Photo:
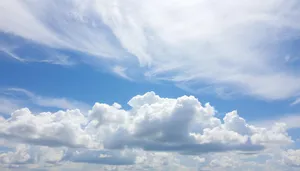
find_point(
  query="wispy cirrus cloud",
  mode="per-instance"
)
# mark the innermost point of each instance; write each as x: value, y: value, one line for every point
x: 238, y: 45
x: 57, y: 59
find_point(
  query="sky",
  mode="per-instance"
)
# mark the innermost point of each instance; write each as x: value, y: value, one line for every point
x: 150, y: 85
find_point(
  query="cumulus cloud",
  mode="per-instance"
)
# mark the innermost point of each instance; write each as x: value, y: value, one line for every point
x: 47, y: 129
x: 236, y: 45
x: 153, y: 123
x: 277, y: 134
x: 168, y: 133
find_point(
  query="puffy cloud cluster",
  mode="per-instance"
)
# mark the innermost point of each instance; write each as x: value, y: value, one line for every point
x: 63, y: 128
x: 155, y: 132
x: 152, y: 123
x: 181, y: 125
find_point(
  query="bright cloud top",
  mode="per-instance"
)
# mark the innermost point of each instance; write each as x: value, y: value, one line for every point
x: 234, y: 45
x: 111, y: 135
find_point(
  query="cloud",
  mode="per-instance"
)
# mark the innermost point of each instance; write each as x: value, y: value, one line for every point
x: 297, y: 101
x: 292, y: 158
x: 46, y: 129
x: 87, y: 35
x: 18, y: 157
x: 277, y: 134
x: 12, y: 55
x: 57, y: 59
x: 154, y: 133
x: 121, y: 71
x: 24, y: 155
x: 153, y: 123
x: 238, y: 46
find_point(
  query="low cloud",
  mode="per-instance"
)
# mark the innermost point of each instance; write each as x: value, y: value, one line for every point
x: 155, y: 132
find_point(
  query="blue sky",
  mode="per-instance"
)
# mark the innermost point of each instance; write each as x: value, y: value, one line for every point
x: 124, y: 85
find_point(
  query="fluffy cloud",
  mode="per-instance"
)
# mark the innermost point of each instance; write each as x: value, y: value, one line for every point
x: 240, y: 46
x: 20, y: 156
x: 277, y: 134
x: 153, y: 123
x: 62, y: 128
x: 169, y: 133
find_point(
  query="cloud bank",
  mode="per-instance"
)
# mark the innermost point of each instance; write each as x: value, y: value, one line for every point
x: 111, y: 135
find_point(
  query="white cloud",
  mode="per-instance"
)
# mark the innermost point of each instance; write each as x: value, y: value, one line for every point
x: 277, y: 134
x: 57, y: 59
x: 12, y: 55
x: 25, y: 154
x: 84, y: 33
x: 238, y: 45
x: 292, y: 157
x: 153, y: 123
x: 121, y: 71
x: 153, y: 134
x: 18, y: 157
x: 47, y: 129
